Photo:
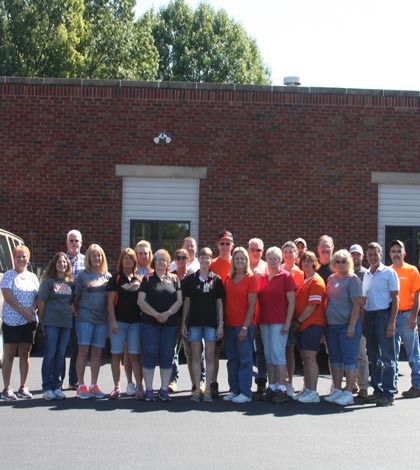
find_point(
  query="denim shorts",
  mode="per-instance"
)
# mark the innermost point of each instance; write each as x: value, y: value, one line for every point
x: 274, y: 342
x: 343, y: 350
x: 310, y: 338
x: 127, y: 333
x: 197, y: 333
x: 89, y: 334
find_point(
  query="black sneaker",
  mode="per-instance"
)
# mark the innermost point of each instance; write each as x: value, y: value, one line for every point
x: 279, y: 397
x: 373, y: 398
x: 269, y: 394
x: 385, y: 400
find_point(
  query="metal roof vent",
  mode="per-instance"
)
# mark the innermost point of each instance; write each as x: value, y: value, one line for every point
x: 291, y: 81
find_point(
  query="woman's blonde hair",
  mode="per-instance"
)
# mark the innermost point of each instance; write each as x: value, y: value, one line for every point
x: 240, y: 249
x: 343, y: 254
x: 103, y: 268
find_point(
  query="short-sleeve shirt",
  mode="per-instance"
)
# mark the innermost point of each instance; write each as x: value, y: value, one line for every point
x: 340, y: 292
x: 221, y: 267
x: 58, y: 297
x: 127, y: 290
x: 272, y: 297
x: 203, y: 295
x: 161, y: 295
x: 77, y: 263
x: 377, y: 288
x: 24, y: 287
x: 298, y: 276
x: 311, y: 292
x: 237, y: 299
x: 90, y: 288
x: 409, y: 284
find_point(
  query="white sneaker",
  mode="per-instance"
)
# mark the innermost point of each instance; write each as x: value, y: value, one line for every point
x: 59, y: 394
x: 300, y: 394
x: 241, y: 398
x: 345, y: 399
x: 290, y: 390
x: 333, y: 396
x: 311, y: 396
x: 230, y: 396
x: 48, y: 395
x: 131, y: 390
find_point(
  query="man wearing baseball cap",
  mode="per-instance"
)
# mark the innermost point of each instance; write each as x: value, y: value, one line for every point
x: 406, y: 324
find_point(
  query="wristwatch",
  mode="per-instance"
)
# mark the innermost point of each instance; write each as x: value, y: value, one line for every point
x: 244, y: 327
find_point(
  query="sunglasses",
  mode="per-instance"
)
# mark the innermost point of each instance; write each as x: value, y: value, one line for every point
x: 341, y: 261
x: 179, y: 258
x: 258, y: 250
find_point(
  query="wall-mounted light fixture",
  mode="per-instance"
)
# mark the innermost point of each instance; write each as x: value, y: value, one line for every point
x: 162, y: 138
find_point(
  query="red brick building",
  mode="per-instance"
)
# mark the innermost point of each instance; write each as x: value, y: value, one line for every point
x: 271, y: 162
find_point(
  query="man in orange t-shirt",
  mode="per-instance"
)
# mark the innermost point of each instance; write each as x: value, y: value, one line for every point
x: 221, y: 266
x: 408, y: 308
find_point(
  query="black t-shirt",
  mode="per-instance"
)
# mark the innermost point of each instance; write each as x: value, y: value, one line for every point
x: 325, y: 271
x: 203, y: 295
x: 161, y: 295
x: 126, y: 309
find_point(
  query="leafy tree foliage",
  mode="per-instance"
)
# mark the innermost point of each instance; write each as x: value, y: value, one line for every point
x: 205, y: 46
x: 102, y: 39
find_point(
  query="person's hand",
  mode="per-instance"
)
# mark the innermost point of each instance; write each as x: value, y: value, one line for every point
x: 242, y: 335
x: 350, y: 332
x: 390, y: 329
x: 114, y: 327
x: 219, y: 333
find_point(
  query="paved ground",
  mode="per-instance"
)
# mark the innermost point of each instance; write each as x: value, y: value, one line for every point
x: 123, y: 434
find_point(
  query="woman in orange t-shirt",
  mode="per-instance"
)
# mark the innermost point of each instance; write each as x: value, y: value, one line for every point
x: 241, y: 297
x: 310, y: 324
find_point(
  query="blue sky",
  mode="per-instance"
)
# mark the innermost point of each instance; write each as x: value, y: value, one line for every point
x: 331, y: 43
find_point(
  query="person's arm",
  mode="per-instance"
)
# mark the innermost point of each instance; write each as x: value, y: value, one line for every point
x: 307, y: 312
x: 412, y: 322
x: 219, y: 310
x: 146, y: 307
x: 16, y: 305
x: 185, y: 312
x: 111, y: 311
x: 291, y: 300
x: 355, y: 313
x: 173, y: 309
x: 41, y: 309
x: 394, y: 310
x: 252, y: 301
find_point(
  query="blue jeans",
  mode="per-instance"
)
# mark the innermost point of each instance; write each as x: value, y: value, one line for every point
x: 55, y: 345
x: 381, y: 352
x: 239, y: 356
x: 158, y: 345
x: 410, y: 339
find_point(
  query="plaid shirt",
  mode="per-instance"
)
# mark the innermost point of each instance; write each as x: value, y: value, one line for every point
x: 77, y: 263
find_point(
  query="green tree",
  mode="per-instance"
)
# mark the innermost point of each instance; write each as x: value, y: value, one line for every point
x: 39, y: 38
x: 205, y: 46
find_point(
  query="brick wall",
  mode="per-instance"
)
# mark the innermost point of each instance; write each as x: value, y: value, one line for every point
x: 282, y: 162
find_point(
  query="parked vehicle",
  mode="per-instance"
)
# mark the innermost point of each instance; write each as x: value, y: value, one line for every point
x: 8, y: 242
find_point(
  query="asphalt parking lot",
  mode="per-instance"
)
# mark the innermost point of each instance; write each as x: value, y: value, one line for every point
x: 119, y: 434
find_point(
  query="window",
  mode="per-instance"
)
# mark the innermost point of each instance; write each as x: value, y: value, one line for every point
x: 160, y: 233
x: 411, y: 238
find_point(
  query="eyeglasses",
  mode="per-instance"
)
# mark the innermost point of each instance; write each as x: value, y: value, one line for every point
x: 340, y: 261
x: 258, y: 250
x: 179, y: 258
x: 224, y: 243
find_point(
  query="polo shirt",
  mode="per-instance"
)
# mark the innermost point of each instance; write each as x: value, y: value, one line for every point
x: 377, y: 288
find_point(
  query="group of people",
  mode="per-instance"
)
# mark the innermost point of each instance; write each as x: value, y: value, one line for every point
x: 150, y: 307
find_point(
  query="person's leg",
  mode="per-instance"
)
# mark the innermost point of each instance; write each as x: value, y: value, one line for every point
x: 232, y: 345
x: 389, y: 360
x: 310, y: 368
x: 150, y: 340
x: 188, y: 357
x: 167, y: 340
x: 196, y: 363
x: 24, y: 350
x: 51, y: 334
x: 209, y: 348
x: 95, y: 364
x: 116, y: 369
x: 373, y: 352
x: 8, y: 357
x: 81, y: 363
x: 63, y: 338
x: 128, y: 369
x: 134, y: 345
x: 349, y: 348
x: 73, y: 356
x: 332, y: 335
x: 363, y: 367
x: 410, y: 338
x: 244, y: 349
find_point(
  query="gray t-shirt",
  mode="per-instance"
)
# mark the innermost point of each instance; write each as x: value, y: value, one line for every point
x: 58, y: 296
x: 340, y: 292
x: 361, y: 273
x: 91, y: 291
